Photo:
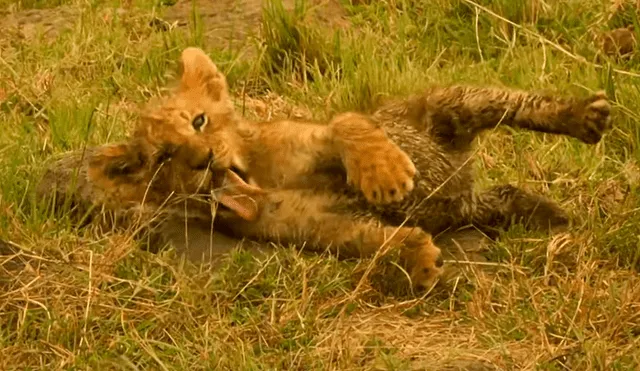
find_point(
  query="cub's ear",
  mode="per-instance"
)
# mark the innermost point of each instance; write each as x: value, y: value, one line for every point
x: 116, y: 161
x: 199, y: 72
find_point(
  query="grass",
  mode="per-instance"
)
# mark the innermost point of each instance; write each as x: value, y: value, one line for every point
x: 87, y: 300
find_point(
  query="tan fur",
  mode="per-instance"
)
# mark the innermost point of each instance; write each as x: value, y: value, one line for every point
x: 347, y: 185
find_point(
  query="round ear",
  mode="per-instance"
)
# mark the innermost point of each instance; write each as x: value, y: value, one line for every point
x: 199, y: 72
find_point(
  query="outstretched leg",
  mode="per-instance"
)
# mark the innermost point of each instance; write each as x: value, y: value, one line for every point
x: 455, y: 115
x: 306, y: 219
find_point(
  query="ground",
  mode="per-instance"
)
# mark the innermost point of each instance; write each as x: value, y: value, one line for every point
x: 73, y: 72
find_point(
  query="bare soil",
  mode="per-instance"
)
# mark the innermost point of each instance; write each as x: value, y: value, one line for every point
x: 225, y: 22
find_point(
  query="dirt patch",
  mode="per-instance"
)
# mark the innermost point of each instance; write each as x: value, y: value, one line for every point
x: 234, y: 21
x: 225, y: 22
x: 27, y: 24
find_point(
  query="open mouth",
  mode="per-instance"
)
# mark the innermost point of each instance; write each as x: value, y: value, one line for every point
x: 240, y: 173
x: 237, y: 195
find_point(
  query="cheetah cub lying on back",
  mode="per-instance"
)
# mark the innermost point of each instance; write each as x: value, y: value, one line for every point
x: 345, y: 186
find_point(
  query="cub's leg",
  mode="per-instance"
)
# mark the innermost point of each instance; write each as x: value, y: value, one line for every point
x: 287, y: 153
x: 456, y: 115
x: 316, y: 222
x: 503, y: 205
x: 373, y: 162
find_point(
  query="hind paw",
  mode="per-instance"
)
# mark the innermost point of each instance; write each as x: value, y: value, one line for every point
x: 423, y: 259
x: 595, y: 118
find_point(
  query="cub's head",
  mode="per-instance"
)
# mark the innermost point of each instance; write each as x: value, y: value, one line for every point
x: 197, y: 124
x: 184, y: 144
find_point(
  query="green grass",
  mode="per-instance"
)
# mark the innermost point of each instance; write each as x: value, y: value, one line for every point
x: 90, y: 300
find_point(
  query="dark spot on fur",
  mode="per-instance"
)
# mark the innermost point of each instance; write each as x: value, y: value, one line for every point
x: 163, y: 157
x: 165, y: 153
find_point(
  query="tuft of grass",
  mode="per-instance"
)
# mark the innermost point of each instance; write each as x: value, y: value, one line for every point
x: 292, y: 47
x: 84, y: 298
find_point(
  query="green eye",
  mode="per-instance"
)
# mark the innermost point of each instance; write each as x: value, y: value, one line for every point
x: 199, y: 122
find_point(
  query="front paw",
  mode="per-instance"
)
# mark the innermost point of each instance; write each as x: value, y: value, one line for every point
x: 595, y: 118
x: 383, y: 172
x: 374, y: 164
